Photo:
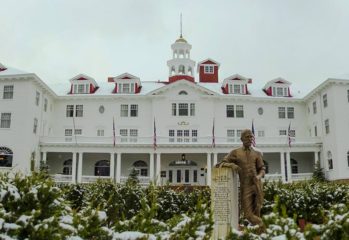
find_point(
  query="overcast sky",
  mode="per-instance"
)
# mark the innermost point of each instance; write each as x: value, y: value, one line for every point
x: 303, y: 41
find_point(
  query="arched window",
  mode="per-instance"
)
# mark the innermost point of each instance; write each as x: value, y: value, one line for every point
x: 141, y: 168
x: 294, y: 166
x: 6, y: 155
x: 181, y: 69
x: 173, y: 71
x: 67, y: 167
x: 182, y: 93
x: 266, y: 165
x: 102, y: 168
x: 329, y: 160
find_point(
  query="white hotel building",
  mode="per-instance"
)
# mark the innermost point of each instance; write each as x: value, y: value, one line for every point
x: 70, y: 127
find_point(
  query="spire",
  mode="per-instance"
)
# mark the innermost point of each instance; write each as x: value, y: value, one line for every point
x: 181, y: 39
x: 181, y: 27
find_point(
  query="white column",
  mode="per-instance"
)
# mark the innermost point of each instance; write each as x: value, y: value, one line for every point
x: 73, y: 168
x: 316, y: 158
x: 80, y: 167
x: 208, y: 174
x: 158, y: 168
x: 118, y: 167
x: 112, y: 166
x: 288, y: 162
x: 215, y: 157
x: 44, y: 157
x: 151, y: 167
x: 282, y: 166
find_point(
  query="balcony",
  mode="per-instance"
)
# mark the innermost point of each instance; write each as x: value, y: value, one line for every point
x: 173, y: 140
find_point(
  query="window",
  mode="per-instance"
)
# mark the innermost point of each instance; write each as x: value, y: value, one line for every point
x: 70, y: 111
x: 123, y: 134
x: 348, y: 94
x: 315, y: 131
x: 294, y: 166
x: 67, y: 167
x: 102, y: 168
x: 292, y: 133
x: 192, y: 109
x: 238, y: 133
x: 100, y: 132
x: 45, y: 104
x: 141, y: 168
x: 124, y: 110
x: 230, y: 110
x: 126, y: 87
x: 238, y: 88
x: 209, y: 69
x: 79, y: 110
x: 282, y: 112
x: 171, y: 134
x: 81, y: 88
x: 68, y: 132
x: 282, y: 132
x: 8, y: 92
x: 134, y: 110
x: 290, y: 112
x: 183, y: 135
x: 314, y: 107
x: 174, y: 109
x: 324, y: 99
x: 182, y: 93
x: 183, y: 109
x: 239, y: 111
x: 133, y: 135
x: 231, y: 135
x: 327, y: 126
x: 78, y: 132
x: 260, y: 133
x: 280, y: 91
x: 348, y: 158
x: 330, y: 161
x: 35, y: 127
x: 37, y: 98
x: 5, y: 120
x: 6, y: 155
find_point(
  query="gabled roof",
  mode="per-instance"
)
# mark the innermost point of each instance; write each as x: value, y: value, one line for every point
x: 82, y: 77
x: 182, y: 83
x: 278, y: 80
x: 237, y: 77
x: 207, y: 61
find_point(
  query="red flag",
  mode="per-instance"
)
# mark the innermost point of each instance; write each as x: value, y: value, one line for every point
x: 114, y: 139
x: 213, y: 136
x: 254, y: 138
x: 154, y: 137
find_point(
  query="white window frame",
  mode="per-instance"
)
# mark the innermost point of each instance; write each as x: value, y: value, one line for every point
x: 324, y: 99
x: 78, y: 132
x: 79, y: 110
x: 133, y: 134
x: 133, y: 110
x: 282, y: 132
x: 69, y: 110
x: 327, y: 126
x: 209, y: 69
x: 183, y: 109
x: 239, y: 111
x: 5, y: 120
x: 8, y: 92
x: 100, y: 132
x: 124, y: 110
x: 314, y: 107
x: 230, y: 110
x: 123, y: 134
x: 290, y: 112
x: 45, y: 104
x: 282, y: 112
x: 37, y: 98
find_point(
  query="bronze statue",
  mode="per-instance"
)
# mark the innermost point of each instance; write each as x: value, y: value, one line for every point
x: 249, y: 164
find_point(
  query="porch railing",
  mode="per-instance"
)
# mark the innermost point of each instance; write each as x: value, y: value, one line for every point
x: 92, y: 179
x: 273, y: 177
x: 172, y: 140
x: 142, y: 180
x: 301, y: 176
x: 60, y: 178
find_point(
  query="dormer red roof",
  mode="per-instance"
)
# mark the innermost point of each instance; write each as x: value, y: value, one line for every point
x: 83, y: 84
x: 133, y: 82
x: 278, y: 87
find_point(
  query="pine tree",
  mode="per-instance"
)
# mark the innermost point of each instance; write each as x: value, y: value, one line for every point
x: 318, y: 174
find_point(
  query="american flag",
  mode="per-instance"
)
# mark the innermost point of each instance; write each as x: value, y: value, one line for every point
x: 114, y: 138
x: 154, y: 137
x: 289, y: 135
x: 253, y: 139
x: 213, y: 136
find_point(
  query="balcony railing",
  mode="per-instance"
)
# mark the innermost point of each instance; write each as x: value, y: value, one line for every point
x: 142, y: 180
x: 172, y: 140
x: 60, y: 178
x: 92, y: 179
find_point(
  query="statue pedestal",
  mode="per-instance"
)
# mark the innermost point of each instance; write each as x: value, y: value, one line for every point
x: 224, y: 198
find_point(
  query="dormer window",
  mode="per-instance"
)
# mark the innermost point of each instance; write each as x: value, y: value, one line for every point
x: 209, y: 69
x: 83, y: 84
x: 81, y: 88
x: 280, y: 91
x: 236, y: 88
x: 126, y: 87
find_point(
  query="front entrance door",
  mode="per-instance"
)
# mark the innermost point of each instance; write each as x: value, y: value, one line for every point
x: 185, y: 175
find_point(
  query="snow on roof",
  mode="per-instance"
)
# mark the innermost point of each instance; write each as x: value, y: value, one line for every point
x: 106, y: 88
x: 12, y: 71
